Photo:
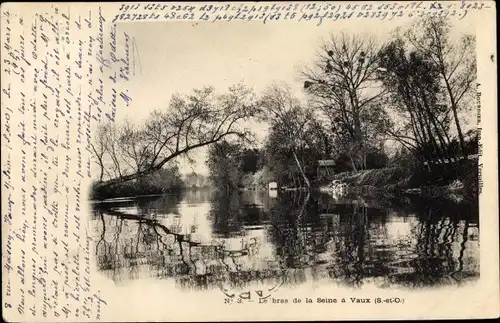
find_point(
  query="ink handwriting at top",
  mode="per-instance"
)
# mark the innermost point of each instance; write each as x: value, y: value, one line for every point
x: 315, y: 12
x: 436, y: 5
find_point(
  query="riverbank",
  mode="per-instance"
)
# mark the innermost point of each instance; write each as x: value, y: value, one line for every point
x: 456, y: 183
x: 135, y: 188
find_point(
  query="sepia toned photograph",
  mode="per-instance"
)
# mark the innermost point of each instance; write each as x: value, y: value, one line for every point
x: 360, y: 168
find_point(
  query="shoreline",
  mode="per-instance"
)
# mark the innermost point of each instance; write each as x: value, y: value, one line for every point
x: 449, y: 184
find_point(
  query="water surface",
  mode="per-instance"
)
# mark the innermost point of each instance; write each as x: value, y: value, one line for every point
x: 207, y: 240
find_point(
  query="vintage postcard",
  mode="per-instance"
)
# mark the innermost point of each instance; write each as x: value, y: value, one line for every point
x: 228, y: 161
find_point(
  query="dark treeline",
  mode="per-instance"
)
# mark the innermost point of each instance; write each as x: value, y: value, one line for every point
x: 232, y: 165
x: 369, y: 104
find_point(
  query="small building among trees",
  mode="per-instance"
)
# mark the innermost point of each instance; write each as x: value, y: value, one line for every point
x: 273, y: 186
x: 325, y: 168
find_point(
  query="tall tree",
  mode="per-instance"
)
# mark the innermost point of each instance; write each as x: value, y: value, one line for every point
x: 454, y: 60
x: 278, y: 161
x: 343, y: 85
x: 100, y: 146
x: 414, y: 90
x: 224, y: 164
x: 288, y: 118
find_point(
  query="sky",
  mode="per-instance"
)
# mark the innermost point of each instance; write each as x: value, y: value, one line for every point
x: 178, y: 57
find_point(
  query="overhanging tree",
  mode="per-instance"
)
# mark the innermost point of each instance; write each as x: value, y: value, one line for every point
x: 189, y: 123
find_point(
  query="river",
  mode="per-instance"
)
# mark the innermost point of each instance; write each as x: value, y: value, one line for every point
x: 205, y: 240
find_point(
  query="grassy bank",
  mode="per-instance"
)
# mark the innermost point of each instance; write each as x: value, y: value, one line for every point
x: 131, y: 189
x: 459, y: 181
x: 161, y: 182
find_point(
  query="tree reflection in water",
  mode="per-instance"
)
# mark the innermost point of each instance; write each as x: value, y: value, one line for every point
x: 206, y: 240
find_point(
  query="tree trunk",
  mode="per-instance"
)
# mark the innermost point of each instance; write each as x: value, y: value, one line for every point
x: 455, y: 115
x: 353, y: 162
x: 302, y: 209
x: 101, y: 176
x: 306, y: 180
